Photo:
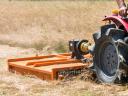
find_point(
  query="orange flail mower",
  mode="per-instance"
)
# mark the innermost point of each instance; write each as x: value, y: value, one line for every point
x: 50, y: 67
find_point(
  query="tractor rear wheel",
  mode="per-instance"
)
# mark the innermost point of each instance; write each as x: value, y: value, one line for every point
x: 110, y: 55
x: 106, y: 59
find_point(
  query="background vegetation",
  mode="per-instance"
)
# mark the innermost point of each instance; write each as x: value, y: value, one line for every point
x: 50, y: 25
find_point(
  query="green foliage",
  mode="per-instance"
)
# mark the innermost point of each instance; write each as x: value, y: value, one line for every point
x: 39, y: 45
x: 61, y: 47
x: 83, y: 93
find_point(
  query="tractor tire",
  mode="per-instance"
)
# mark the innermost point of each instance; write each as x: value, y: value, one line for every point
x: 106, y: 54
x: 106, y: 59
x: 96, y: 36
x: 103, y: 31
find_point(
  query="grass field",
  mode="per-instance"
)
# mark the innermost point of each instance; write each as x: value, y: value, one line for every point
x: 49, y: 24
x: 28, y: 27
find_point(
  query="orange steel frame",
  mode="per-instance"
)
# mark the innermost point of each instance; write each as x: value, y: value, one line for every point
x: 34, y: 64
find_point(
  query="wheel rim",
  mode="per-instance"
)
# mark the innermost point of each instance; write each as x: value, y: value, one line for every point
x: 109, y: 62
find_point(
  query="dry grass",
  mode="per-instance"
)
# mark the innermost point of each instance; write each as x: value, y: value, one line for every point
x: 48, y: 26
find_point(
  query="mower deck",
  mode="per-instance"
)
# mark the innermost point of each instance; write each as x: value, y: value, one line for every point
x: 50, y: 67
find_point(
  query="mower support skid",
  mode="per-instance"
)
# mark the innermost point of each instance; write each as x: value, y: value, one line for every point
x: 46, y: 67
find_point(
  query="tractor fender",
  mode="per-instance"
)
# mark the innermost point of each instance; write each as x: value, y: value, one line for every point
x: 118, y: 21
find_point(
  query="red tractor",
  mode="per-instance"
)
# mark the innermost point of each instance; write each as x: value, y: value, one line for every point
x: 110, y: 54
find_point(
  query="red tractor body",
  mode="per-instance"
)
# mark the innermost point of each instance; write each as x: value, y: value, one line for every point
x: 118, y: 20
